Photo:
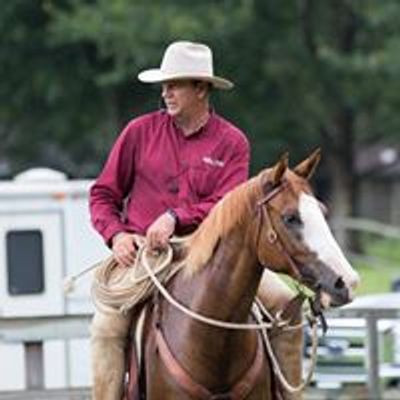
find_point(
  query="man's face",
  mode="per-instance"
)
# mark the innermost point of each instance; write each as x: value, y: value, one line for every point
x: 180, y: 97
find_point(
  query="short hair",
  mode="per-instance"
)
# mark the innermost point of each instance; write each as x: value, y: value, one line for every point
x: 208, y: 85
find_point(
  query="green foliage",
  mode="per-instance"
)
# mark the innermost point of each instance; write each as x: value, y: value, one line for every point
x: 306, y: 73
x: 386, y: 249
x: 376, y: 280
x: 382, y: 268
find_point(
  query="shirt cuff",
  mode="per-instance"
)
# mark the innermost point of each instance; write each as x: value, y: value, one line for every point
x: 173, y: 214
x: 110, y: 231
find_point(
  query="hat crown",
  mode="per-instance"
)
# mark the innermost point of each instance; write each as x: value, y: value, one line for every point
x: 187, y: 58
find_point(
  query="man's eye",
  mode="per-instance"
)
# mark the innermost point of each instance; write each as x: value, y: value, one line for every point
x: 292, y: 220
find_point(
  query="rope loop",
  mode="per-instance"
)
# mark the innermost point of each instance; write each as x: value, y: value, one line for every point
x: 110, y: 300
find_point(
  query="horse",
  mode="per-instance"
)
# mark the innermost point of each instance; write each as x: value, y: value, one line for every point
x: 273, y: 221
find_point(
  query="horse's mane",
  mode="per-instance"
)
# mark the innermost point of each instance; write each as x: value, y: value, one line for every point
x: 233, y: 209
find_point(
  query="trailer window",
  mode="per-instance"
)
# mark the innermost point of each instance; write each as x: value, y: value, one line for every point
x: 25, y: 262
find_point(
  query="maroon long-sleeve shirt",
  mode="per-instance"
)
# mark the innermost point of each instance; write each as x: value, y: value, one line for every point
x: 153, y: 167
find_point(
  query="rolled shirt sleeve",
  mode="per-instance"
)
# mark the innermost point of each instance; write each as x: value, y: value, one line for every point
x: 108, y: 193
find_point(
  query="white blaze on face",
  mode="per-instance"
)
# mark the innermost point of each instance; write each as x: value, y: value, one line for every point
x: 318, y: 237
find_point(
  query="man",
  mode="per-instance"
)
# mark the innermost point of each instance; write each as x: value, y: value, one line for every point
x: 164, y: 173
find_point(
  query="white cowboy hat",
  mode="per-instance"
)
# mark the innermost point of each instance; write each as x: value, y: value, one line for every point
x: 185, y: 60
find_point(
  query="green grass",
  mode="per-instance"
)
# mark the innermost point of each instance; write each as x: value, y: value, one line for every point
x: 378, y: 275
x: 376, y: 279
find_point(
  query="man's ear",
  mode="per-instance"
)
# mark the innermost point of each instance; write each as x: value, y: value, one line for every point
x: 202, y: 89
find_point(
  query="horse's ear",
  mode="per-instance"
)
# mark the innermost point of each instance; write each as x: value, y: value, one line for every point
x: 307, y: 167
x: 279, y: 169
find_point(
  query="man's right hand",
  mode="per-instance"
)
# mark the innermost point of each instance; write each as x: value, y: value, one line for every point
x: 123, y: 248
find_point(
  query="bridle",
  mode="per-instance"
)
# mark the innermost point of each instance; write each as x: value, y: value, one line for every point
x: 274, y: 239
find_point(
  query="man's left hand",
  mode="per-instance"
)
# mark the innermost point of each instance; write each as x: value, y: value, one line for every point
x: 160, y: 231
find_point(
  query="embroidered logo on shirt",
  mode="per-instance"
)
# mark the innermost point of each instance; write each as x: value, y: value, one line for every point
x: 213, y: 162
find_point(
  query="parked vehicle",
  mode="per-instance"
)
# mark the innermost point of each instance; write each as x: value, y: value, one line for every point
x: 45, y: 235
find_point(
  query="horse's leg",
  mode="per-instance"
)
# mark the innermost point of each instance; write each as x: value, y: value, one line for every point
x: 287, y: 346
x: 108, y: 343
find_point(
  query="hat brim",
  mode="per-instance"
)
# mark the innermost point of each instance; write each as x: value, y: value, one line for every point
x: 157, y: 76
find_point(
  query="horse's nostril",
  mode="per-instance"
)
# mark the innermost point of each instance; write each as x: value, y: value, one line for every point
x: 339, y: 284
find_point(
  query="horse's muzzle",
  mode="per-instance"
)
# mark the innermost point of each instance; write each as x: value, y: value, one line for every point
x: 338, y: 292
x: 330, y: 286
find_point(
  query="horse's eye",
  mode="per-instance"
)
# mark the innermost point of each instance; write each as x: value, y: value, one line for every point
x: 292, y: 220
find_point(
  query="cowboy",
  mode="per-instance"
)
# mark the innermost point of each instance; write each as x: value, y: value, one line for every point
x: 164, y: 173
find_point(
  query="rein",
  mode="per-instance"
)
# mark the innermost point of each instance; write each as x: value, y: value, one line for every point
x: 277, y: 369
x: 199, y: 317
x: 259, y: 312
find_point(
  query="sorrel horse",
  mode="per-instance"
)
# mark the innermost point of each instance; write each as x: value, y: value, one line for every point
x: 272, y: 221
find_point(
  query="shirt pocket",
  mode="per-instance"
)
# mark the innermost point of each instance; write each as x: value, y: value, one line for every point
x: 203, y: 179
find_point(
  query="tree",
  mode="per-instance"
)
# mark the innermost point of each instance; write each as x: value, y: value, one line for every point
x: 347, y: 47
x: 308, y: 74
x: 43, y: 91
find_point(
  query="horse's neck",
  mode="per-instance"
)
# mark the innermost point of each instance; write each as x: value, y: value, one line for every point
x: 227, y: 285
x: 224, y: 290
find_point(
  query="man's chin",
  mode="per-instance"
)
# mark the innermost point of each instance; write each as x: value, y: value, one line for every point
x: 172, y: 111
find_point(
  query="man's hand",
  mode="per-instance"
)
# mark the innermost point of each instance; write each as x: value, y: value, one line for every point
x: 123, y: 247
x: 160, y: 231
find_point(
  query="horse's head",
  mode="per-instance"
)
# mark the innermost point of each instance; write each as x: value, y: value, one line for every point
x: 293, y: 236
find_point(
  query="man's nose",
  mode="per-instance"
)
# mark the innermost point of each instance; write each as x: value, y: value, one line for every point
x: 165, y: 91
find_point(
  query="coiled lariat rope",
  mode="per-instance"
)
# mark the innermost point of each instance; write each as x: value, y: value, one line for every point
x: 118, y: 289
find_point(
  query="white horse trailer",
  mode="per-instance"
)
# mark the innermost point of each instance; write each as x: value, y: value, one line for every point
x: 45, y: 235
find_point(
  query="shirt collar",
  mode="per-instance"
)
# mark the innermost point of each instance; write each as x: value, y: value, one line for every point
x: 205, y: 128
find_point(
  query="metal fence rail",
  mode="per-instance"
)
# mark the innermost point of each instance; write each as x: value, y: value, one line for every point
x: 371, y: 308
x: 53, y: 394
